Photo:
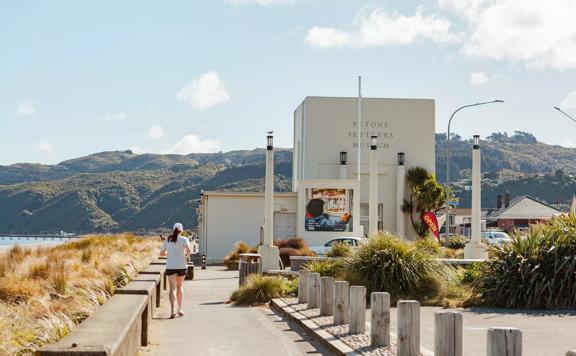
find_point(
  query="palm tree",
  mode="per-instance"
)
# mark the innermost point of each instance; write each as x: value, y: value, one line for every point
x: 426, y: 195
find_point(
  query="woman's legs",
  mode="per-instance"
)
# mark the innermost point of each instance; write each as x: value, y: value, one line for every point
x: 179, y: 282
x: 171, y: 294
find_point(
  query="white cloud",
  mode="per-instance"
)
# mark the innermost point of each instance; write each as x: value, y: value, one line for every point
x: 119, y: 116
x: 480, y: 78
x: 205, y: 92
x: 570, y: 101
x: 194, y: 144
x: 378, y: 27
x: 45, y: 146
x: 156, y: 132
x: 25, y: 108
x: 260, y: 2
x: 540, y: 34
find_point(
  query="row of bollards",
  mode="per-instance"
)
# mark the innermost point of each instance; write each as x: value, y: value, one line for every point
x: 348, y: 306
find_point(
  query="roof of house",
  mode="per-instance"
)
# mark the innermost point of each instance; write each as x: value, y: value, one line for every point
x: 525, y: 207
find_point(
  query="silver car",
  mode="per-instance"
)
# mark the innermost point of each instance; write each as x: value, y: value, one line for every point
x: 354, y: 242
x: 496, y: 237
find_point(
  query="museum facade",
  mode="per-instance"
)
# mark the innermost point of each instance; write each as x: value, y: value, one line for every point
x: 345, y: 157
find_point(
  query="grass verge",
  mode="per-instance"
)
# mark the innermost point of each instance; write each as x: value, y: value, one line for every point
x: 46, y: 291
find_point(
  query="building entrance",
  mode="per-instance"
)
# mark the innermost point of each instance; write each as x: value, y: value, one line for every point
x: 284, y: 225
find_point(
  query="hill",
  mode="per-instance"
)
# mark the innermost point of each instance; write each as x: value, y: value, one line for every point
x: 119, y: 191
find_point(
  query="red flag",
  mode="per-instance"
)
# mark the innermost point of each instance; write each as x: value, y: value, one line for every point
x: 430, y: 220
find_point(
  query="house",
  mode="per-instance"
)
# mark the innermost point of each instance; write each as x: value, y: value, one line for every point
x: 521, y: 213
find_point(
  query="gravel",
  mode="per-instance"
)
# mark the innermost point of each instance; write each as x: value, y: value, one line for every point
x: 357, y: 342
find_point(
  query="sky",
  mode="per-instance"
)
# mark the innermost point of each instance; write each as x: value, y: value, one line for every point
x: 79, y: 77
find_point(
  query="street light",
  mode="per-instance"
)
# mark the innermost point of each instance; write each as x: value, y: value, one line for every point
x: 401, y: 158
x: 447, y: 230
x: 563, y: 112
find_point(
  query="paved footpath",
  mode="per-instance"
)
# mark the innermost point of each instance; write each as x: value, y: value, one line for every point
x: 544, y: 333
x: 211, y: 327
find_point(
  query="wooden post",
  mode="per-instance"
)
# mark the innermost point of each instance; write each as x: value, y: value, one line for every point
x: 504, y: 342
x: 341, y: 302
x: 326, y: 295
x: 408, y: 328
x: 313, y: 296
x: 303, y: 286
x: 357, y: 310
x: 448, y: 333
x: 571, y: 353
x: 380, y: 319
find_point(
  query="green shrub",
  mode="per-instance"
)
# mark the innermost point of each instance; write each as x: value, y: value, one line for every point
x: 261, y: 289
x: 428, y: 245
x: 470, y: 273
x: 327, y: 267
x: 456, y: 242
x: 339, y: 250
x: 388, y: 264
x: 233, y: 258
x: 538, y: 271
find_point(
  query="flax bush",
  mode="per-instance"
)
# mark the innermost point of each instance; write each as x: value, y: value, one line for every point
x: 538, y: 271
x: 403, y: 269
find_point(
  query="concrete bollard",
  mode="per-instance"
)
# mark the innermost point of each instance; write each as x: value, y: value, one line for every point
x: 504, y: 342
x: 357, y: 310
x: 303, y: 286
x: 326, y: 294
x: 341, y: 302
x: 380, y: 319
x: 313, y: 296
x: 408, y: 328
x: 448, y: 333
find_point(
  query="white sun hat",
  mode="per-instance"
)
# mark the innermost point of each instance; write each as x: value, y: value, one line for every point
x: 178, y: 226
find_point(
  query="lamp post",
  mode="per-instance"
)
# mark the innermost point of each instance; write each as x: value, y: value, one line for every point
x: 269, y: 252
x: 373, y: 185
x: 343, y: 168
x: 475, y: 249
x: 400, y: 188
x: 447, y: 230
x: 563, y: 112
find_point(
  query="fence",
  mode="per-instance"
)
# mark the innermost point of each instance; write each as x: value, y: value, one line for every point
x: 348, y: 305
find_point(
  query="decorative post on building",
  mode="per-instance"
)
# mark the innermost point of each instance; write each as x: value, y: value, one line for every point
x: 373, y: 192
x: 343, y: 168
x: 400, y: 188
x: 269, y: 252
x: 475, y: 249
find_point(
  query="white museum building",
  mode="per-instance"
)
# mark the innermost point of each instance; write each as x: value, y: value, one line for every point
x: 332, y: 195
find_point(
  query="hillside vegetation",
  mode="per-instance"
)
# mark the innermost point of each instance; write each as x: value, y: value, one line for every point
x: 123, y: 191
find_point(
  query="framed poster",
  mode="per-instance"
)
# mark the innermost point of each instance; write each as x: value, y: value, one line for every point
x: 328, y: 209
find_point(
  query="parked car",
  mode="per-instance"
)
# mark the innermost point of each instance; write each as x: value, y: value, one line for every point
x: 354, y: 242
x: 496, y: 237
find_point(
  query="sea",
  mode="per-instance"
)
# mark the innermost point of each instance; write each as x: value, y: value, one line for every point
x: 7, y: 242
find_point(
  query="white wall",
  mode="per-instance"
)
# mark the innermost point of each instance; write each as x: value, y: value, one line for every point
x: 325, y: 126
x: 233, y: 217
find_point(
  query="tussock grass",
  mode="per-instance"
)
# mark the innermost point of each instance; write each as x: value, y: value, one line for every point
x: 46, y: 291
x: 261, y: 289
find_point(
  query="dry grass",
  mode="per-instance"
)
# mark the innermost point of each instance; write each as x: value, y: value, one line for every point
x: 45, y: 292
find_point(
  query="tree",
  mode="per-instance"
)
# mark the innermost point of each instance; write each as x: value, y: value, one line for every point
x: 426, y: 194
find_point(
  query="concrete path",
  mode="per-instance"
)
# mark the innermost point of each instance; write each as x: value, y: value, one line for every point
x: 211, y: 327
x: 545, y: 333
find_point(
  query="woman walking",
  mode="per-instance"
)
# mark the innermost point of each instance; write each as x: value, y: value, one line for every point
x: 178, y: 249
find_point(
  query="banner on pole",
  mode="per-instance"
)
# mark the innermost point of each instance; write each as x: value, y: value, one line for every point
x: 430, y: 220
